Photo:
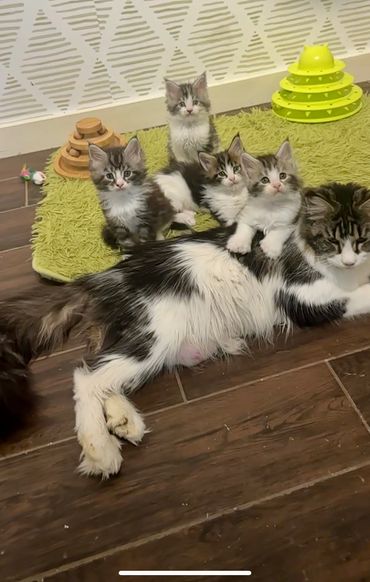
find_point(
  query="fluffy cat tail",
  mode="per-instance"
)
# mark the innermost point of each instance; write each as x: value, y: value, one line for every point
x: 28, y: 328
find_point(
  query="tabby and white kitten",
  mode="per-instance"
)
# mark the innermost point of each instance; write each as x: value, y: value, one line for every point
x: 273, y: 203
x: 134, y: 207
x: 215, y: 183
x: 190, y: 127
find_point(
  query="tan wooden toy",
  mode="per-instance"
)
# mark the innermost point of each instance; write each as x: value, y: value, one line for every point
x: 73, y: 159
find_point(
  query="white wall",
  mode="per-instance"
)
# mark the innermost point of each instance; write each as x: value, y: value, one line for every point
x: 59, y: 57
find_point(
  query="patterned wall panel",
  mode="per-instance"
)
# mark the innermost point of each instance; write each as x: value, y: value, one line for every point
x: 58, y: 56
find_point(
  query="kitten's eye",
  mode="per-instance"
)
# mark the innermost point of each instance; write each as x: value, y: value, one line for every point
x: 195, y: 101
x: 222, y: 174
x: 109, y: 176
x: 265, y: 180
x: 236, y: 168
x: 127, y: 173
x: 334, y: 241
x: 182, y: 103
x: 361, y: 240
x: 282, y: 175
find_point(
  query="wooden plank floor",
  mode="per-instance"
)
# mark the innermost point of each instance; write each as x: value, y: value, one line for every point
x: 258, y: 463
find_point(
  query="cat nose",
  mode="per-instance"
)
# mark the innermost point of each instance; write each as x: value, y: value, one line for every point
x: 276, y: 185
x: 120, y: 182
x: 189, y: 109
x: 232, y: 179
x: 348, y: 261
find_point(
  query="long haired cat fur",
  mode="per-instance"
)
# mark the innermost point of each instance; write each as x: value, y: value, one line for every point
x: 273, y: 203
x: 134, y: 207
x: 215, y: 182
x: 139, y: 315
x: 191, y: 128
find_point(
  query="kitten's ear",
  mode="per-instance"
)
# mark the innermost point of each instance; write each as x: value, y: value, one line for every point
x: 236, y: 147
x: 249, y: 164
x: 134, y: 155
x: 285, y: 155
x: 361, y: 199
x: 98, y: 157
x: 316, y: 207
x: 173, y: 91
x: 200, y: 86
x: 208, y: 162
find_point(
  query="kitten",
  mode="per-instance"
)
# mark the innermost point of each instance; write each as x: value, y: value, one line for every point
x: 134, y: 207
x: 215, y: 182
x: 273, y: 203
x: 190, y: 127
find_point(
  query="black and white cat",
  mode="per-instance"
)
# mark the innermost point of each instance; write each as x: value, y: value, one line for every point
x: 273, y: 203
x: 134, y: 207
x: 190, y: 127
x: 179, y: 297
x: 215, y: 183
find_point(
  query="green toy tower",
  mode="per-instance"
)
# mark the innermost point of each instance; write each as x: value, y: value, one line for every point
x: 316, y: 89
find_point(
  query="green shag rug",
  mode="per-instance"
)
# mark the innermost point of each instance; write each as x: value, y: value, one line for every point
x: 67, y: 239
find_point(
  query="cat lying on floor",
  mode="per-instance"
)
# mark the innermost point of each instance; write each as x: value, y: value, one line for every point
x: 144, y: 314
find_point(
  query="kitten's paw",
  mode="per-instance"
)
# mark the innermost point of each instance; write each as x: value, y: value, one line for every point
x: 190, y: 355
x: 123, y: 419
x: 271, y: 249
x: 238, y: 244
x: 186, y: 217
x: 229, y: 222
x: 99, y: 456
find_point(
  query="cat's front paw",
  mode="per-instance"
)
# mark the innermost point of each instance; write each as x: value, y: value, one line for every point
x: 186, y: 217
x: 271, y: 249
x: 229, y: 222
x: 238, y: 244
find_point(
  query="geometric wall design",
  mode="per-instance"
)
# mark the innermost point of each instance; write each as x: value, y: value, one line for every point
x: 59, y: 56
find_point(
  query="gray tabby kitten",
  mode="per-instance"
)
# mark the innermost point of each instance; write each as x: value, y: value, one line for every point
x: 215, y: 182
x: 273, y: 203
x: 191, y: 129
x: 134, y: 207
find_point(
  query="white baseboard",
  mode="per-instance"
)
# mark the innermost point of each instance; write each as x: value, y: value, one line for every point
x: 52, y: 131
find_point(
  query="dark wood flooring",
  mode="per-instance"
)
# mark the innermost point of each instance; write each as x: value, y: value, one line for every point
x: 259, y: 463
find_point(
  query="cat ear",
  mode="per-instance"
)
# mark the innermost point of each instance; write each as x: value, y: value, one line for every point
x: 208, y: 162
x: 200, y: 86
x: 285, y: 155
x: 316, y: 207
x: 236, y: 147
x: 133, y: 154
x: 249, y: 164
x: 173, y: 91
x: 98, y: 157
x: 361, y: 198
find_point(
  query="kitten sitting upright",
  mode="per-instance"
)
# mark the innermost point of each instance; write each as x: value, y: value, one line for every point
x: 215, y: 182
x: 273, y: 204
x: 134, y: 207
x: 191, y: 129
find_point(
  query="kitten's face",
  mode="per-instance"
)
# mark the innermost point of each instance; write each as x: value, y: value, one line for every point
x: 271, y: 176
x: 224, y: 168
x: 188, y: 101
x: 117, y: 168
x: 336, y: 224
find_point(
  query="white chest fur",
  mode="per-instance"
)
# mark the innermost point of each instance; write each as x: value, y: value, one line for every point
x: 266, y: 216
x: 123, y: 207
x: 188, y: 138
x: 226, y: 204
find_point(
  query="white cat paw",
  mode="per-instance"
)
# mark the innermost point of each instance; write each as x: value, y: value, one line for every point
x: 100, y: 456
x: 271, y: 249
x: 229, y: 222
x: 124, y: 420
x: 186, y: 217
x: 238, y: 244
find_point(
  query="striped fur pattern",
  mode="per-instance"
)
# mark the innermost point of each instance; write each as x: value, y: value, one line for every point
x: 134, y: 207
x: 190, y: 126
x: 177, y: 302
x: 215, y: 182
x: 273, y: 203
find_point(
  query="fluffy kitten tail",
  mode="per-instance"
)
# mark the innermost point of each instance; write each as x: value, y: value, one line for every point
x: 28, y: 328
